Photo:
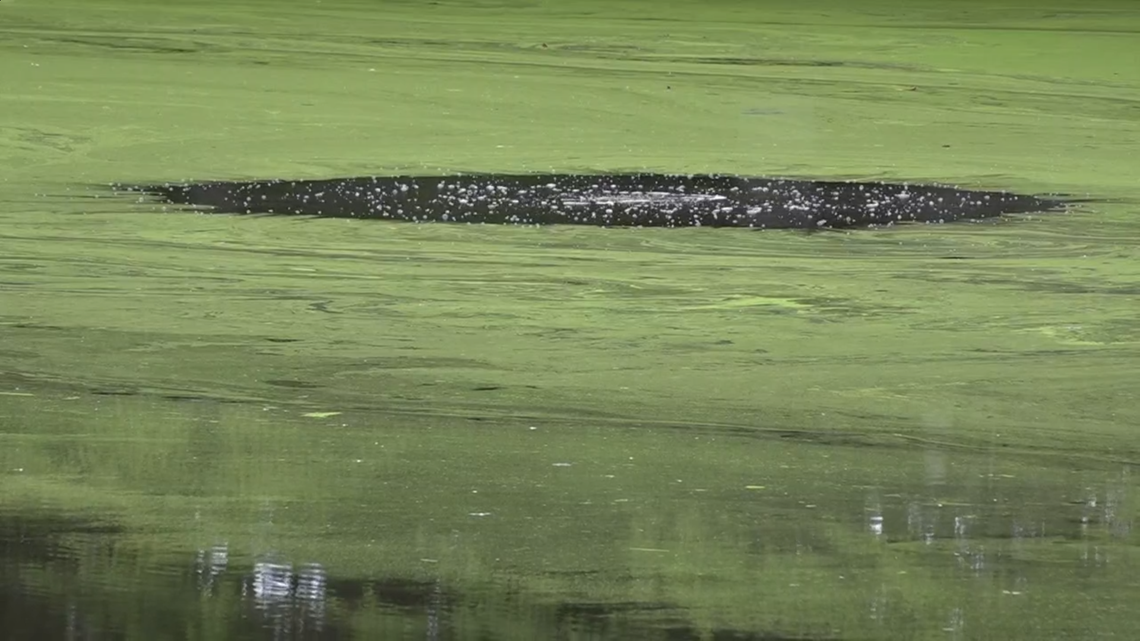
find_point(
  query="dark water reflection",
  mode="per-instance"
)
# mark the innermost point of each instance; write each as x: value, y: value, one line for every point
x: 274, y: 599
x: 1014, y: 546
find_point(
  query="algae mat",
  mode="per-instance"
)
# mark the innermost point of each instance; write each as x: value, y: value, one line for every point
x: 239, y: 427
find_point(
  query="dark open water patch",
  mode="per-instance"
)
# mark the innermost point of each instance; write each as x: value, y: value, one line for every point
x: 64, y: 577
x: 622, y: 200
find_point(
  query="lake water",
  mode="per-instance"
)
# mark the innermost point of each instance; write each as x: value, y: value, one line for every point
x: 222, y: 427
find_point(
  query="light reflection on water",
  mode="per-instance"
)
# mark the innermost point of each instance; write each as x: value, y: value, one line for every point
x: 294, y: 601
x: 999, y: 542
x: 262, y: 518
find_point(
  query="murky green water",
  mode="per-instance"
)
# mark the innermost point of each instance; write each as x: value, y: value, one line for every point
x: 221, y: 427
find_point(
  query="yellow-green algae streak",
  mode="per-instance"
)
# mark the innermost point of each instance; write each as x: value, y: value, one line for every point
x: 926, y: 432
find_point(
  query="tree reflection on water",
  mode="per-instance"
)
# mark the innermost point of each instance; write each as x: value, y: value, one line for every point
x: 75, y: 578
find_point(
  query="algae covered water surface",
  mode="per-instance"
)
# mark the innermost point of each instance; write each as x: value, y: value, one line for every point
x: 248, y: 427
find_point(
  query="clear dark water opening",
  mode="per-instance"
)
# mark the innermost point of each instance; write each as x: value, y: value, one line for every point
x: 622, y: 200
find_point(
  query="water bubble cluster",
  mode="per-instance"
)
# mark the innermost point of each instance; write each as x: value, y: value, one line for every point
x: 621, y: 200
